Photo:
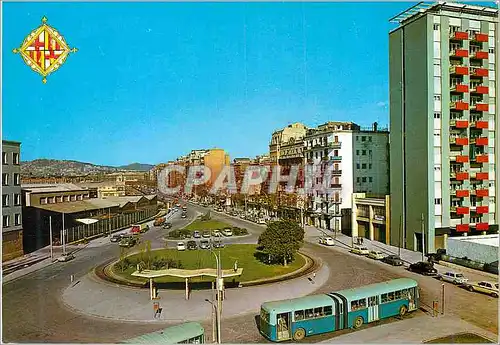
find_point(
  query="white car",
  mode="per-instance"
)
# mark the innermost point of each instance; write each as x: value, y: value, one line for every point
x: 453, y: 277
x: 360, y: 250
x: 375, y: 254
x: 216, y: 233
x: 227, y: 232
x: 181, y: 246
x: 328, y: 241
x: 66, y: 257
x: 261, y: 221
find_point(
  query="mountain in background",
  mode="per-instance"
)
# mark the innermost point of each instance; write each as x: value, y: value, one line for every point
x: 54, y: 167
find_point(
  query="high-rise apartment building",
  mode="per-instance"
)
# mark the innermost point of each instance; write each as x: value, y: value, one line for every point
x: 12, y: 223
x: 443, y: 123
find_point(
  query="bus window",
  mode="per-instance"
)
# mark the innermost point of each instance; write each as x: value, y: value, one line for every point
x: 318, y: 312
x: 397, y: 294
x: 359, y: 304
x: 383, y: 298
x: 264, y: 315
x: 391, y: 296
x: 299, y: 315
x: 372, y: 301
x: 309, y: 314
x: 404, y: 293
x: 328, y: 310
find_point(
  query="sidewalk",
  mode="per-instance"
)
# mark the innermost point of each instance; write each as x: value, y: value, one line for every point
x: 94, y: 297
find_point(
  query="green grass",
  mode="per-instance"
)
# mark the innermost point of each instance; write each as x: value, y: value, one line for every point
x: 201, y: 225
x: 195, y: 259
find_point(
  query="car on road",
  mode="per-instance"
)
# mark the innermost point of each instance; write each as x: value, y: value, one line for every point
x: 204, y: 244
x: 393, y: 260
x: 424, y: 268
x: 216, y: 233
x: 453, y: 277
x: 360, y: 250
x: 66, y: 257
x: 261, y: 221
x: 227, y: 232
x: 206, y: 234
x: 115, y: 238
x: 490, y: 288
x: 127, y: 242
x: 196, y: 234
x: 191, y: 245
x: 181, y: 246
x: 167, y: 225
x: 183, y: 215
x: 218, y: 244
x: 376, y: 254
x: 328, y: 241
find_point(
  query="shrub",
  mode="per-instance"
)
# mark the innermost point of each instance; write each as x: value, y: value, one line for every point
x: 239, y: 231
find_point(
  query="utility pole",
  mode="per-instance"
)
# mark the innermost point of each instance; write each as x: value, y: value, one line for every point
x: 219, y: 286
x: 63, y: 236
x: 423, y: 238
x: 400, y: 235
x: 50, y: 236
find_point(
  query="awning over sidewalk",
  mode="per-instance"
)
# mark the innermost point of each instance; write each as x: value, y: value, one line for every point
x: 180, y: 273
x: 87, y: 220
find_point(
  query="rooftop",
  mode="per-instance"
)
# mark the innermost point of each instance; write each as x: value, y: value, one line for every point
x: 78, y: 206
x: 51, y: 188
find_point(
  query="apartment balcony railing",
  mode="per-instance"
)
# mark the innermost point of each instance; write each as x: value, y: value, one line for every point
x: 478, y: 37
x: 459, y: 158
x: 479, y: 124
x: 479, y: 55
x: 462, y: 88
x: 459, y: 35
x: 336, y: 158
x: 459, y: 105
x: 459, y: 175
x: 480, y: 193
x: 483, y: 158
x: 459, y: 193
x: 459, y: 70
x: 479, y: 72
x: 459, y: 123
x: 480, y: 175
x: 461, y: 210
x: 459, y: 53
x: 462, y: 141
x: 479, y: 141
x: 336, y: 172
x: 462, y: 227
x: 479, y: 106
x: 480, y: 208
x: 335, y: 144
x: 481, y: 89
x: 482, y: 226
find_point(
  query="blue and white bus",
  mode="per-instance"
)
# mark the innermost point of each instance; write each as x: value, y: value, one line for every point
x: 300, y: 317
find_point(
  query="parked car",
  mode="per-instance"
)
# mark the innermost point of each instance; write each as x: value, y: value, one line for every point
x: 196, y: 234
x: 127, y: 242
x: 191, y: 245
x: 167, y: 225
x: 183, y: 215
x: 218, y: 244
x: 115, y: 238
x: 66, y: 257
x: 453, y: 277
x: 216, y: 233
x: 181, y: 246
x: 375, y: 254
x: 328, y: 241
x: 227, y: 232
x: 422, y: 267
x: 490, y: 288
x: 393, y: 260
x: 360, y: 250
x: 204, y: 244
x: 206, y: 234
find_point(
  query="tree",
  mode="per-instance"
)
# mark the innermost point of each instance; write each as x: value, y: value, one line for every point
x: 281, y: 240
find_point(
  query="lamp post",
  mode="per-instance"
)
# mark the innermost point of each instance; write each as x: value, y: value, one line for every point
x: 63, y: 236
x: 219, y: 285
x: 214, y: 310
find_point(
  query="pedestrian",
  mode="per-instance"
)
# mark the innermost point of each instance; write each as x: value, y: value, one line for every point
x: 314, y: 275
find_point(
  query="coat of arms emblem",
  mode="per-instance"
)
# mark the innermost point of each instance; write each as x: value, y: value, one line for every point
x: 44, y: 50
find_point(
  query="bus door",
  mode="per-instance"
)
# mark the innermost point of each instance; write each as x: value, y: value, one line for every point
x: 283, y: 326
x: 412, y: 294
x: 373, y: 309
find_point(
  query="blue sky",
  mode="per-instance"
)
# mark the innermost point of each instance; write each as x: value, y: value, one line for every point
x: 152, y: 81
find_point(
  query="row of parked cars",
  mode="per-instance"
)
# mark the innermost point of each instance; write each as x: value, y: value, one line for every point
x: 215, y: 233
x: 204, y: 244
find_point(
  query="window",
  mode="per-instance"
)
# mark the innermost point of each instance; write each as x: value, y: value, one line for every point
x: 17, y: 179
x: 437, y: 115
x: 299, y: 315
x: 309, y: 313
x: 370, y: 152
x: 359, y: 304
x: 59, y: 199
x: 327, y: 310
x: 17, y: 199
x: 5, y: 159
x: 390, y: 296
x: 397, y: 294
x: 372, y: 301
x: 370, y: 139
x: 357, y: 165
x: 80, y: 197
x: 318, y: 312
x: 357, y: 152
x: 15, y: 158
x: 264, y: 315
x: 357, y: 138
x: 335, y: 153
x: 43, y: 201
x: 6, y: 221
x: 363, y: 166
x: 436, y: 27
x: 73, y: 197
x: 336, y: 139
x: 363, y: 138
x: 5, y: 200
x: 5, y: 179
x: 370, y: 166
x: 383, y: 298
x: 370, y: 179
x: 17, y: 219
x: 363, y: 152
x: 437, y: 201
x: 358, y: 180
x: 491, y: 50
x: 66, y: 198
x: 363, y: 179
x: 437, y: 97
x: 51, y: 200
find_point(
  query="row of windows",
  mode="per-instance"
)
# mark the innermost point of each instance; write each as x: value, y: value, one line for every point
x: 62, y: 198
x: 321, y: 154
x: 363, y: 179
x: 363, y: 166
x: 363, y: 152
x: 6, y: 200
x: 6, y: 220
x: 384, y: 298
x: 6, y: 180
x: 313, y: 313
x: 363, y: 138
x: 15, y: 158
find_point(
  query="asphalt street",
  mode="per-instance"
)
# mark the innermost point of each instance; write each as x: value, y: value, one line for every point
x: 33, y: 312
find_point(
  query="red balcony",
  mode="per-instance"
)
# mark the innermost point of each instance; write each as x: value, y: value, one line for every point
x: 461, y: 210
x: 482, y: 209
x: 482, y: 158
x: 481, y: 141
x: 479, y: 55
x: 479, y: 72
x: 459, y: 141
x: 482, y: 226
x: 480, y: 37
x: 462, y: 193
x: 462, y: 176
x: 460, y: 35
x: 461, y: 159
x: 459, y: 53
x: 462, y: 227
x: 482, y: 176
x: 480, y: 107
x: 460, y: 88
x: 483, y: 90
x: 460, y: 70
x: 460, y: 105
x: 480, y: 124
x: 482, y: 193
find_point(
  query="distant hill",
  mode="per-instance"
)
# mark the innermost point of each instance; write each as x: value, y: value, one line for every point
x: 53, y: 167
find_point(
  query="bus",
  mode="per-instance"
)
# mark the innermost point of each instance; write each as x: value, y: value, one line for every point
x: 186, y: 333
x: 297, y: 318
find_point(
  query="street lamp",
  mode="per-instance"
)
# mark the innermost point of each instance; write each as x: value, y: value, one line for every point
x: 219, y: 285
x: 214, y: 310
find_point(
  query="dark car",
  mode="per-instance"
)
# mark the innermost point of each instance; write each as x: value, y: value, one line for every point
x: 196, y: 234
x: 393, y: 260
x: 167, y: 225
x: 115, y: 238
x: 191, y: 245
x: 217, y: 244
x: 425, y: 268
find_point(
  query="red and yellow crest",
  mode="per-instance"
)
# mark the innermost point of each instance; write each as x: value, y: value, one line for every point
x: 44, y: 50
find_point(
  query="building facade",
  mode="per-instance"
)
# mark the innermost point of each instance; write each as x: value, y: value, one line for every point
x: 12, y: 219
x: 444, y: 122
x: 371, y: 217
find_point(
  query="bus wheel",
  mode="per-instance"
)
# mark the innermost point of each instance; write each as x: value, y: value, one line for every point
x: 358, y: 322
x: 299, y: 334
x: 402, y: 310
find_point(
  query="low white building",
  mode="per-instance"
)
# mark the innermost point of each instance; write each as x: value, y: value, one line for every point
x: 482, y: 248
